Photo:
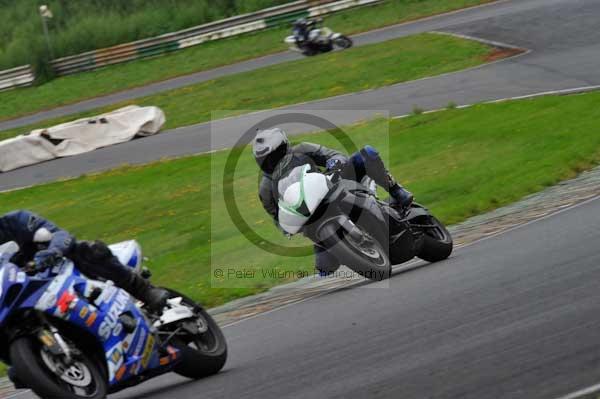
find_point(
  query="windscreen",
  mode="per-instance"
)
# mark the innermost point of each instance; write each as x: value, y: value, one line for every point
x: 294, y: 176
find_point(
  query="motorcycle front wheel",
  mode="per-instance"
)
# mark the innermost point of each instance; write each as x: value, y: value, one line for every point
x: 360, y: 250
x: 205, y: 352
x: 49, y: 376
x: 437, y: 241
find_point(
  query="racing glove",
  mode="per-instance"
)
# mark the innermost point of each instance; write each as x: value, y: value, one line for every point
x: 334, y: 164
x: 47, y: 258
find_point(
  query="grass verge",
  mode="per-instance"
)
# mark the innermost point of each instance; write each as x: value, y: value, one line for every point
x: 459, y: 162
x: 78, y: 87
x: 360, y: 68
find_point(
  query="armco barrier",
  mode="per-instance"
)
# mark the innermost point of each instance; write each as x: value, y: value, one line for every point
x: 16, y: 77
x: 237, y: 25
x: 174, y: 41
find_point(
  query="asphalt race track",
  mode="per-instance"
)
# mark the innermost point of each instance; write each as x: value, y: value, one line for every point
x: 509, y: 317
x: 499, y: 319
x: 563, y: 37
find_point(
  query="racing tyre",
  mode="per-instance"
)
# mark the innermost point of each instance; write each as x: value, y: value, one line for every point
x: 204, y: 353
x: 343, y: 42
x: 360, y: 251
x: 437, y: 242
x: 40, y: 371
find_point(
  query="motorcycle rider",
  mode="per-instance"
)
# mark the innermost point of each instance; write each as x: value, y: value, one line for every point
x: 275, y: 157
x: 43, y: 242
x: 302, y: 28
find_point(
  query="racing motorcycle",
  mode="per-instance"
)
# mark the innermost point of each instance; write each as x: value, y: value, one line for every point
x: 320, y: 40
x: 347, y: 219
x: 67, y: 336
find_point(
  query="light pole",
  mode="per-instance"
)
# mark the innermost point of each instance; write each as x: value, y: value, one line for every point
x: 46, y: 14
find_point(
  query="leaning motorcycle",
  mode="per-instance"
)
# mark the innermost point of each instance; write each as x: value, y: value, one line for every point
x: 347, y: 219
x: 67, y: 336
x: 321, y: 40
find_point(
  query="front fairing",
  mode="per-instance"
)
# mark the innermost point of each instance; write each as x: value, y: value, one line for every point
x: 65, y: 294
x: 128, y: 354
x: 17, y: 290
x: 300, y: 194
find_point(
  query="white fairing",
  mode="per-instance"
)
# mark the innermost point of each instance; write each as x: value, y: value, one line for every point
x: 174, y: 311
x: 316, y: 187
x: 301, y: 198
x: 129, y: 254
x: 290, y: 40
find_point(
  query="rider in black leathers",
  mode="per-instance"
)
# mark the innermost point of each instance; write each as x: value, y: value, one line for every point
x: 302, y: 28
x: 276, y: 157
x: 43, y: 242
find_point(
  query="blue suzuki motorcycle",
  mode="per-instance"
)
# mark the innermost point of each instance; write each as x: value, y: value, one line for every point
x: 69, y: 337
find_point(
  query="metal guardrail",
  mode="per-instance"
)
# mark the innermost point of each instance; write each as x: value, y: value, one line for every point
x: 233, y: 26
x: 269, y: 17
x: 16, y: 77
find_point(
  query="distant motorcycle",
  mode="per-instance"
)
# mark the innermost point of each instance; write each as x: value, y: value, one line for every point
x: 348, y: 220
x: 320, y: 40
x: 67, y: 336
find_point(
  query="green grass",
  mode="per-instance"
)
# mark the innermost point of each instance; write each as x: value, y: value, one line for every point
x: 206, y: 56
x: 458, y: 162
x: 328, y: 75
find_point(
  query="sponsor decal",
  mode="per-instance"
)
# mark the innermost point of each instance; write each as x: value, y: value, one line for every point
x: 148, y: 351
x: 65, y: 302
x: 116, y: 356
x: 117, y: 330
x: 120, y: 373
x: 49, y: 298
x: 140, y: 344
x: 90, y: 321
x: 84, y: 312
x: 21, y: 277
x: 12, y: 275
x: 112, y: 318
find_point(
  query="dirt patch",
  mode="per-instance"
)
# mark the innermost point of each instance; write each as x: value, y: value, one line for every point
x: 499, y: 53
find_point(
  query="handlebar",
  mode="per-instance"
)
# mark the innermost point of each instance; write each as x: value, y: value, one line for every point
x: 31, y: 268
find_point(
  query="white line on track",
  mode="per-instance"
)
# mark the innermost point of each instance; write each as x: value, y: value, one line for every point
x: 583, y: 392
x: 562, y: 92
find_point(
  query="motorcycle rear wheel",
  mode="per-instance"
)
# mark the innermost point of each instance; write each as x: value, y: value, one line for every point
x: 83, y: 379
x: 343, y: 42
x: 205, y: 353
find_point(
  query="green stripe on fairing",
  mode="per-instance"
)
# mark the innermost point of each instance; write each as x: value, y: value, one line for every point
x: 294, y: 208
x: 285, y: 18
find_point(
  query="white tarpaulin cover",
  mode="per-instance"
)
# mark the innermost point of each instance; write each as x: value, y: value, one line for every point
x: 80, y: 136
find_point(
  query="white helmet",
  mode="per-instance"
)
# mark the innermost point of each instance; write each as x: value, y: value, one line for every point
x: 269, y: 147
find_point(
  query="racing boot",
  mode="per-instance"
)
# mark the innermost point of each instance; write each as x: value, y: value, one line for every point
x: 375, y: 168
x: 400, y: 197
x: 155, y: 298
